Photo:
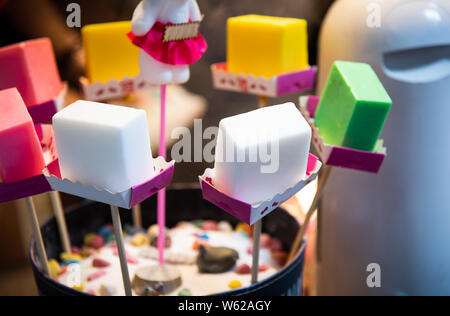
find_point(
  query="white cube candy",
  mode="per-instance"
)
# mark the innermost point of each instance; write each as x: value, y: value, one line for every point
x: 262, y: 153
x: 102, y: 145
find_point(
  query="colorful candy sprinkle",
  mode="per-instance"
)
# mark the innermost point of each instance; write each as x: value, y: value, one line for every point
x: 199, y: 242
x: 264, y: 268
x: 106, y: 231
x: 97, y: 242
x: 244, y: 269
x: 235, y: 285
x: 210, y: 226
x: 185, y: 292
x: 198, y: 223
x: 66, y: 257
x: 79, y: 287
x: 100, y: 263
x: 204, y: 236
x: 244, y: 228
x: 54, y: 268
x: 96, y: 275
x: 86, y: 252
x: 110, y: 239
x: 139, y: 240
x: 88, y: 238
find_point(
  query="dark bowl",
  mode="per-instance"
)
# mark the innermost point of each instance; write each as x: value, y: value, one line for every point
x: 182, y: 205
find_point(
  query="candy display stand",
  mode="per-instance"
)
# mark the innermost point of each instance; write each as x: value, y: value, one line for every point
x: 126, y: 199
x: 33, y: 186
x: 263, y: 88
x: 273, y: 87
x: 183, y: 204
x: 43, y: 113
x: 253, y: 214
x: 333, y: 156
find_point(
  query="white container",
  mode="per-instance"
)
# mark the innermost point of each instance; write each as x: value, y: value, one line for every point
x: 400, y: 218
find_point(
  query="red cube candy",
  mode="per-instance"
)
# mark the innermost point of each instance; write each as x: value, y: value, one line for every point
x: 20, y: 150
x: 31, y: 68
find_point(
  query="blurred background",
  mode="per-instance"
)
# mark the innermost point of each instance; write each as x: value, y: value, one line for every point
x: 27, y: 19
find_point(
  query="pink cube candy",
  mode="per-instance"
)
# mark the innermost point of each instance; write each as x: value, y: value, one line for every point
x: 20, y: 150
x: 31, y: 67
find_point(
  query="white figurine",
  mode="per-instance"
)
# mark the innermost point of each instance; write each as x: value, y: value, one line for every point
x: 165, y: 63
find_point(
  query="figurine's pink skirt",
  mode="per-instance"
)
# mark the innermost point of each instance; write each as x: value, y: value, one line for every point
x: 183, y: 52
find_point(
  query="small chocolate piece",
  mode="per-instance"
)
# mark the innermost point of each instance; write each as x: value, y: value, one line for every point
x: 167, y: 242
x: 216, y: 260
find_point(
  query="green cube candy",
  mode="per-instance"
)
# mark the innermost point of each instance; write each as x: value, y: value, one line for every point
x: 353, y: 107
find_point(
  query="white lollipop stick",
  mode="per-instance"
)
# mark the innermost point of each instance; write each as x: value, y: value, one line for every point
x: 61, y: 221
x: 121, y: 249
x: 42, y: 254
x: 314, y: 206
x: 257, y: 228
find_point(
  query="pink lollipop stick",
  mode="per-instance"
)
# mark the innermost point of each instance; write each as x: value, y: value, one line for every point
x: 162, y: 193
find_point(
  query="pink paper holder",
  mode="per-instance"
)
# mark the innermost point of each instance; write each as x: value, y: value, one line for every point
x: 126, y: 199
x: 249, y: 213
x: 99, y: 91
x: 273, y: 87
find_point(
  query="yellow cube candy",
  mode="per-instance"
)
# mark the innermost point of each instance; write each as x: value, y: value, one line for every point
x: 109, y: 52
x: 266, y: 46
